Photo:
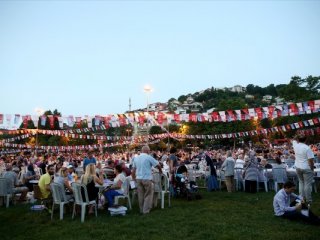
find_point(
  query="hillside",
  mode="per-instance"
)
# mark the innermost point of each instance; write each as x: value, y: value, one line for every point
x: 238, y: 97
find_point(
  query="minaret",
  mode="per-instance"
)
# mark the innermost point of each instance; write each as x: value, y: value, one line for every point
x: 129, y: 104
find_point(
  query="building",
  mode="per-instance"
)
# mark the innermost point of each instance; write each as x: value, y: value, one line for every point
x: 267, y: 98
x: 279, y: 101
x: 191, y: 105
x: 157, y: 107
x: 237, y: 88
x: 248, y: 96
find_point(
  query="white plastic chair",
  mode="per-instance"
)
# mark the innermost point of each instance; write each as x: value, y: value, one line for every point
x: 279, y: 175
x: 263, y: 177
x: 126, y: 195
x: 4, y: 191
x: 238, y: 178
x: 157, y: 187
x: 79, y: 200
x: 221, y: 178
x: 165, y: 189
x: 59, y: 198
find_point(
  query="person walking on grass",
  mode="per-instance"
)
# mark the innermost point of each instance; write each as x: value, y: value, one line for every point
x: 228, y: 169
x: 142, y: 174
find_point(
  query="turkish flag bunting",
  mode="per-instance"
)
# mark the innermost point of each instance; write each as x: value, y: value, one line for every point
x: 231, y: 115
x: 311, y: 105
x: 160, y: 118
x: 107, y: 121
x: 271, y: 110
x: 315, y: 120
x: 259, y: 113
x: 293, y: 109
x: 193, y: 117
x: 176, y: 118
x: 215, y: 116
x: 122, y: 121
x: 245, y: 115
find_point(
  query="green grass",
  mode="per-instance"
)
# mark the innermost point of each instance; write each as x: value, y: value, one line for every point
x: 218, y: 215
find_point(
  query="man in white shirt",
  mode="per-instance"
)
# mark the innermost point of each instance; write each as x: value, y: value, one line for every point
x: 142, y: 174
x: 304, y: 163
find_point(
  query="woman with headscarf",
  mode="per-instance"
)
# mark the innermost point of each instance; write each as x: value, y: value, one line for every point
x: 251, y: 173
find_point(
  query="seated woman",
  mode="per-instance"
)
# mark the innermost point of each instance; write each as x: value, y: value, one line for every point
x: 90, y: 179
x: 279, y: 163
x: 116, y: 188
x: 30, y: 175
x: 62, y: 178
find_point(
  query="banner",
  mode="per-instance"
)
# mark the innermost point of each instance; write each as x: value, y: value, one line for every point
x: 165, y: 118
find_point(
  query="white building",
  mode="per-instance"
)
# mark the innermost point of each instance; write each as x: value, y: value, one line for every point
x: 266, y: 98
x: 237, y: 88
x: 279, y: 100
x: 248, y: 96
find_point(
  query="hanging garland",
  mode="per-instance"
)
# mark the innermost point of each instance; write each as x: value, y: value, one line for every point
x: 100, y: 122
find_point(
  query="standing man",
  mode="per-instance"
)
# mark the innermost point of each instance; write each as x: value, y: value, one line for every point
x: 89, y: 159
x: 228, y: 168
x: 142, y: 173
x: 304, y: 166
x: 173, y: 161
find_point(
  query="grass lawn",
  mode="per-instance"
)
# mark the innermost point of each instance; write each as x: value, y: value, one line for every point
x: 218, y: 215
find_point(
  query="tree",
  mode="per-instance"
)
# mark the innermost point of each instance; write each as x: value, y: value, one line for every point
x: 293, y: 92
x: 311, y: 83
x: 271, y: 90
x: 227, y: 104
x: 182, y: 98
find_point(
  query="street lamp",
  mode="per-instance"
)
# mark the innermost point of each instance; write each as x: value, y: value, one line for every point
x: 147, y: 89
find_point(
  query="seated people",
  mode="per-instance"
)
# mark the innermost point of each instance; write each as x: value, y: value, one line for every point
x: 109, y: 170
x: 116, y: 189
x: 264, y: 164
x: 279, y: 163
x: 30, y: 175
x: 283, y: 204
x: 72, y: 176
x: 13, y: 183
x: 90, y: 179
x: 239, y: 162
x: 125, y: 170
x: 62, y: 178
x: 89, y: 159
x: 45, y: 180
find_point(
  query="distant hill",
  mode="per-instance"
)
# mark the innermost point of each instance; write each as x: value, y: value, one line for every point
x: 239, y: 97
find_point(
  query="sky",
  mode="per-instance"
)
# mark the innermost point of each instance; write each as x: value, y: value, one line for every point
x: 90, y: 57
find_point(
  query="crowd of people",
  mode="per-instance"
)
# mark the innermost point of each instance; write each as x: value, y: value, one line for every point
x: 94, y: 167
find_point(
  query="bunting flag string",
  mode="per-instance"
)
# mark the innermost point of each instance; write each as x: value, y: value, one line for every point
x: 78, y: 147
x: 8, y: 121
x: 145, y: 138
